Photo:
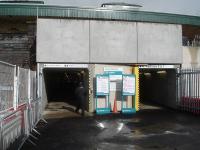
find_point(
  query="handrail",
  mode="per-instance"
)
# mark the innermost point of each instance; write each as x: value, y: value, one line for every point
x: 8, y: 64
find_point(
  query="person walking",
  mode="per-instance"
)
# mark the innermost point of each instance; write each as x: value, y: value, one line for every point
x: 80, y: 93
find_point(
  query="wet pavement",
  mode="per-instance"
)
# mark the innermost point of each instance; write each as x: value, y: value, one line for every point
x: 152, y: 128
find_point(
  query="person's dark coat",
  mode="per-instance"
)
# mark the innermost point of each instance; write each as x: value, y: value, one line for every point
x: 80, y: 98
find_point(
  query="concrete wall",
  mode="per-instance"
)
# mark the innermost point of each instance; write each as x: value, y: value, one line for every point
x: 160, y: 43
x: 61, y: 40
x: 113, y: 42
x: 191, y: 57
x: 84, y: 41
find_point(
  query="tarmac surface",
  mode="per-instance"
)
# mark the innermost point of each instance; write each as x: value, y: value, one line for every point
x: 152, y: 128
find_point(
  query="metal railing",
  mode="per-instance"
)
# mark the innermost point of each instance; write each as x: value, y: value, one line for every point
x: 20, y: 109
x: 23, y: 85
x: 188, y: 95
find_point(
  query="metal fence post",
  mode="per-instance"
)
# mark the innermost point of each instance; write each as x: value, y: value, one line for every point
x: 17, y: 90
x: 15, y: 98
x: 1, y: 136
x: 29, y: 87
x: 190, y: 90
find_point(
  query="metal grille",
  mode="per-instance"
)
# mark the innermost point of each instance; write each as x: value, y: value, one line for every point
x: 23, y: 89
x: 33, y: 85
x: 20, y: 90
x: 189, y: 90
x: 7, y: 72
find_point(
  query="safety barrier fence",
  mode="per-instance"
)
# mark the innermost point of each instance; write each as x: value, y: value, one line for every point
x: 189, y: 90
x: 20, y: 109
x: 7, y: 75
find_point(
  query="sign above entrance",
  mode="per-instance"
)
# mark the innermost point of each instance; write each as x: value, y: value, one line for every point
x: 110, y: 69
x: 65, y: 65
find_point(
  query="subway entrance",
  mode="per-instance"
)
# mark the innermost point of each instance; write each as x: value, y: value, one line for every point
x: 61, y: 84
x: 158, y: 87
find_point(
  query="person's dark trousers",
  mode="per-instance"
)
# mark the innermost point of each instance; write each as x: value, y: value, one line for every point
x: 82, y: 107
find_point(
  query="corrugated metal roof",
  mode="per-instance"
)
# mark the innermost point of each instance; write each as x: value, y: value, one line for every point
x: 92, y: 13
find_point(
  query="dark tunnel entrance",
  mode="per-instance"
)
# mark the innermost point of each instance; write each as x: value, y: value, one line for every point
x: 61, y: 83
x: 158, y: 87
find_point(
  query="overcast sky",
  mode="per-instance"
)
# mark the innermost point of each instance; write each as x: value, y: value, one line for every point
x: 188, y: 7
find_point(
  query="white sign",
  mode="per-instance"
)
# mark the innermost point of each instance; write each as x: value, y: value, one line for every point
x: 102, y: 85
x: 115, y: 77
x: 129, y: 85
x: 65, y: 65
x: 108, y: 69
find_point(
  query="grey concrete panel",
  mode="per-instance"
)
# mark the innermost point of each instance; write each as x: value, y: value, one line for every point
x: 60, y: 40
x: 113, y: 42
x: 159, y: 43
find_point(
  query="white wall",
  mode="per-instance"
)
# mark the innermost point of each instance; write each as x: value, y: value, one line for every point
x: 113, y: 42
x: 160, y: 43
x: 62, y: 40
x: 84, y: 41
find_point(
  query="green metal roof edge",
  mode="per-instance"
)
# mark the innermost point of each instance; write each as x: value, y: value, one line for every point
x: 95, y: 13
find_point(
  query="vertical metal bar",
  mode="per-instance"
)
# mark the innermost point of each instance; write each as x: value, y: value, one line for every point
x: 198, y: 84
x: 183, y: 89
x: 177, y: 87
x: 195, y: 92
x: 197, y: 100
x: 1, y: 136
x: 188, y: 92
x: 194, y: 96
x: 15, y: 99
x: 186, y: 89
x: 180, y: 88
x: 192, y: 91
x: 29, y: 87
x: 196, y: 87
x: 190, y: 97
x: 183, y: 83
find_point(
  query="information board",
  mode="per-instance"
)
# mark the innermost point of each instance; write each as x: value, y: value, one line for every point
x: 102, y: 84
x: 128, y: 84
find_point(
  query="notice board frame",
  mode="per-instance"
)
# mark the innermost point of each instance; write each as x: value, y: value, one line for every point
x: 106, y: 109
x: 126, y: 110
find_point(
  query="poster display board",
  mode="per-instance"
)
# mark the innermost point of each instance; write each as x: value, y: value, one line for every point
x: 102, y: 84
x: 128, y: 85
x: 102, y: 90
x: 128, y: 89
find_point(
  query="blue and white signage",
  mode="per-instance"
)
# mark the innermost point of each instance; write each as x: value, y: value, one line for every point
x: 128, y: 84
x: 102, y: 87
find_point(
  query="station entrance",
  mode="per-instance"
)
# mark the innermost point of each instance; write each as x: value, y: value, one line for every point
x: 158, y: 86
x: 60, y: 86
